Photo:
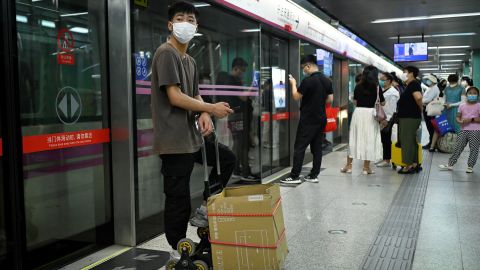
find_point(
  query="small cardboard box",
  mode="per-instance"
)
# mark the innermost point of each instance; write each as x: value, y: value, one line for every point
x: 247, y: 230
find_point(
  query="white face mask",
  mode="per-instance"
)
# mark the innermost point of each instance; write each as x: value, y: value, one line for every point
x: 184, y: 31
x: 403, y: 77
x: 464, y: 84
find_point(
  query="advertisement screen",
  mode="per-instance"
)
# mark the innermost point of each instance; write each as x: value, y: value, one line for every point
x: 279, y: 89
x: 325, y: 61
x: 410, y: 52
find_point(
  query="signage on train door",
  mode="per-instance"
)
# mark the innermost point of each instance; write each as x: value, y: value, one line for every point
x: 68, y: 105
x: 65, y: 44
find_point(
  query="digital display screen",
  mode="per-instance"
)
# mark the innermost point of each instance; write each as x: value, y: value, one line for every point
x: 279, y: 89
x: 410, y: 52
x: 325, y: 61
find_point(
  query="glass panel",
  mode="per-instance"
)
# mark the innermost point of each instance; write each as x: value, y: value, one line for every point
x: 3, y: 236
x: 267, y: 104
x: 62, y: 81
x: 354, y: 69
x: 219, y: 42
x: 280, y: 104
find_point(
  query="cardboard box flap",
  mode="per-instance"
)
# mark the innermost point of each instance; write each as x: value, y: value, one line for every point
x: 254, y: 199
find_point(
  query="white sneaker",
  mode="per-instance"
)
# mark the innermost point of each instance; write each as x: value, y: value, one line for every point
x: 290, y: 180
x: 383, y: 164
x: 200, y: 219
x: 311, y: 179
x: 469, y: 170
x: 445, y: 168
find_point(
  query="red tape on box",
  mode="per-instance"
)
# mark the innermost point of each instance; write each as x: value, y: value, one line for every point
x: 277, y: 205
x: 282, y: 236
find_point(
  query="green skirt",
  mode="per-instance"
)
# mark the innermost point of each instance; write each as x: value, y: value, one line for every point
x: 407, y: 135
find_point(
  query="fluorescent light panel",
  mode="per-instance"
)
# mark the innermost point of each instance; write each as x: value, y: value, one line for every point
x: 250, y: 30
x: 74, y: 14
x: 428, y: 17
x: 452, y: 54
x: 453, y: 60
x: 449, y: 47
x: 80, y: 30
x: 436, y: 35
x: 21, y: 18
x: 201, y: 4
x: 451, y: 65
x: 48, y: 24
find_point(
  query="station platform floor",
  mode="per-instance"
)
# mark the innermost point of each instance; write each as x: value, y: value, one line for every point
x: 429, y: 220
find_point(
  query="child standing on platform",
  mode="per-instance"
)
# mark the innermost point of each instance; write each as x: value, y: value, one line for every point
x: 469, y: 117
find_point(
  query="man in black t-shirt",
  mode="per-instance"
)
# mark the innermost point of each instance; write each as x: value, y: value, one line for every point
x: 314, y: 91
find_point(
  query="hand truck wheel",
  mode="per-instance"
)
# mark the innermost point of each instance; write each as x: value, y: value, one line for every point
x: 186, y: 244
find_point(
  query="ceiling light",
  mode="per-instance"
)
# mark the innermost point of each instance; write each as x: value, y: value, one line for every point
x: 198, y: 34
x: 201, y: 4
x: 21, y: 18
x: 436, y: 35
x: 48, y: 24
x: 452, y: 54
x: 450, y: 68
x: 451, y: 65
x: 428, y: 17
x: 80, y: 30
x: 456, y: 60
x: 449, y: 47
x: 74, y: 14
x: 250, y: 30
x: 424, y: 69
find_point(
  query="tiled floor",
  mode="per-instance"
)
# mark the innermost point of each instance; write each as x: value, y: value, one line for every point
x: 449, y: 236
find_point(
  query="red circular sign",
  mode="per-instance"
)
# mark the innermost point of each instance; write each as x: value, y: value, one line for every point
x: 65, y: 41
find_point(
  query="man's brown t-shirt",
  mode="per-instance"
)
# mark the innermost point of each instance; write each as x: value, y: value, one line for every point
x: 173, y: 127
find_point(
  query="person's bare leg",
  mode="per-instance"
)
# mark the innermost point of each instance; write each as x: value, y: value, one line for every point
x: 348, y: 167
x: 433, y: 144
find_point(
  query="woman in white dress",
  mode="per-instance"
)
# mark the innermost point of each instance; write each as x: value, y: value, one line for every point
x: 365, y: 140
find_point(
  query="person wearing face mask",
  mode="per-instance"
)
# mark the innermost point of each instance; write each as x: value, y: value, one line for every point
x: 176, y: 102
x: 365, y: 141
x: 469, y: 117
x: 430, y: 94
x: 391, y: 98
x: 410, y: 107
x: 454, y: 95
x: 466, y: 82
x: 315, y: 91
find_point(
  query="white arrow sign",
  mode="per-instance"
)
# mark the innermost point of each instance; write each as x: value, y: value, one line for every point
x: 145, y: 257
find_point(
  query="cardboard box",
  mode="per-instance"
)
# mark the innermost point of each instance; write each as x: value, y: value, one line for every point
x: 247, y: 230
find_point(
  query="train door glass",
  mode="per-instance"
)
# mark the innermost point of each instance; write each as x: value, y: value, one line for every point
x: 64, y: 114
x: 275, y: 105
x: 3, y: 237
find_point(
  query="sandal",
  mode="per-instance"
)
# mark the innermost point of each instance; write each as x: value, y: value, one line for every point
x: 346, y: 169
x: 367, y: 171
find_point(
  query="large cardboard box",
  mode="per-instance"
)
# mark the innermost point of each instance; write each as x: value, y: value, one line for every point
x: 247, y: 230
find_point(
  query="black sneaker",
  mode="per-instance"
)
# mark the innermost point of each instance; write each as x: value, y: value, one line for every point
x: 311, y: 179
x: 291, y: 180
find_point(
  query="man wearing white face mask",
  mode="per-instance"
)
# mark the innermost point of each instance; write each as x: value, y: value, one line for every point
x: 175, y: 103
